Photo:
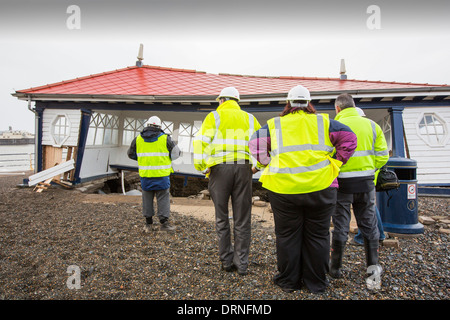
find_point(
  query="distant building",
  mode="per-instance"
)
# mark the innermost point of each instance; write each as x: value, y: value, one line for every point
x: 95, y: 117
x: 11, y: 137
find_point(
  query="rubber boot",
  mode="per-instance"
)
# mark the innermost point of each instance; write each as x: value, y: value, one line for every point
x: 337, y: 251
x: 371, y: 250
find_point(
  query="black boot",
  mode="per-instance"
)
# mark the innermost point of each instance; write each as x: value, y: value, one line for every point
x: 337, y: 251
x: 371, y: 250
x: 374, y: 270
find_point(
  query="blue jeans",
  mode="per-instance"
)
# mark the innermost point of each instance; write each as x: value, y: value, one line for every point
x: 359, y: 238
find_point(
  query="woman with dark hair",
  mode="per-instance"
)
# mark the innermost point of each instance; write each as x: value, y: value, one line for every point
x: 301, y: 152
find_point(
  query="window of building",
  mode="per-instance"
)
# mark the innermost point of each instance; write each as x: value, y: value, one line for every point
x: 432, y: 129
x: 131, y: 128
x: 385, y: 125
x: 186, y: 133
x: 103, y: 130
x: 60, y: 129
x: 167, y: 127
x: 184, y: 136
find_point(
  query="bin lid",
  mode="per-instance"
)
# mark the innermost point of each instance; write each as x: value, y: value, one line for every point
x: 401, y: 162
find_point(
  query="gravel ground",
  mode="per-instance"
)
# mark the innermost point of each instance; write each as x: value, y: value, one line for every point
x: 43, y: 234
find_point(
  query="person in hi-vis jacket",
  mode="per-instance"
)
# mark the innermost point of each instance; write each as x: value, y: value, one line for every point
x: 154, y: 151
x: 221, y: 152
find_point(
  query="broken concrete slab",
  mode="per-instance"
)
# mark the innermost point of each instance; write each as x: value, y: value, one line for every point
x: 391, y: 243
x: 426, y: 220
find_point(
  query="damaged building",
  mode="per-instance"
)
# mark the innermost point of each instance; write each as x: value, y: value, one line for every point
x: 93, y: 119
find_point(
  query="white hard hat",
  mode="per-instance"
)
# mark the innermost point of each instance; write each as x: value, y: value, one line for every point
x: 360, y: 112
x: 153, y: 121
x: 299, y: 93
x: 229, y: 92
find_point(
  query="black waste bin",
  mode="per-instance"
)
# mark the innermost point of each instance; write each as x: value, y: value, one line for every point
x: 398, y: 208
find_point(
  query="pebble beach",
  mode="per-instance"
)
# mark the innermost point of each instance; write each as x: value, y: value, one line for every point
x: 45, y: 235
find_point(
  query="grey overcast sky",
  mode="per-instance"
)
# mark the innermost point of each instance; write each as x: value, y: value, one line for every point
x: 405, y: 41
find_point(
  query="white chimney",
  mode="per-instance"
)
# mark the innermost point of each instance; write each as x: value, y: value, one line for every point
x: 342, y: 72
x: 140, y: 56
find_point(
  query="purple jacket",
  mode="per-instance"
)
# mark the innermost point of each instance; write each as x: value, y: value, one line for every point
x: 341, y: 136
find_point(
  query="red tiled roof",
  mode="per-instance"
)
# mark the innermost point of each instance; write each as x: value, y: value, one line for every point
x: 159, y: 81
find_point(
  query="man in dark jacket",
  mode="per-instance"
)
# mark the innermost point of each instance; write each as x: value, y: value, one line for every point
x: 154, y: 150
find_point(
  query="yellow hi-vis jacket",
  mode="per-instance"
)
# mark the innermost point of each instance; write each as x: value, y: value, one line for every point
x: 223, y: 136
x: 301, y: 154
x: 371, y: 153
x: 153, y: 157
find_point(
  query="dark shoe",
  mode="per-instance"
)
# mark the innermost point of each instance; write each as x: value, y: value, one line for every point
x: 166, y: 226
x: 287, y: 290
x: 337, y: 251
x: 242, y: 272
x: 228, y: 268
x: 356, y: 243
x: 276, y: 281
x: 150, y: 227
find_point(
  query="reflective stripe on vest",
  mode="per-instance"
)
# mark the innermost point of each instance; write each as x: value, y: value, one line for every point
x: 365, y: 153
x: 227, y: 146
x: 300, y: 163
x: 281, y: 148
x: 153, y: 157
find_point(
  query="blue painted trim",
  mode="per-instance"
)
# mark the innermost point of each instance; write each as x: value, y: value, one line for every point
x: 133, y: 168
x: 83, y: 180
x: 434, y: 185
x: 193, y: 175
x: 274, y: 106
x: 433, y: 191
x: 416, y: 228
x: 398, y: 146
x: 123, y: 167
x: 39, y: 150
x: 82, y: 138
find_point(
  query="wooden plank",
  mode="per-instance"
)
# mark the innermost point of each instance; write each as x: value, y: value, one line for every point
x: 68, y: 157
x: 74, y: 157
x: 41, y: 186
x: 62, y: 183
x: 51, y: 172
x: 52, y: 156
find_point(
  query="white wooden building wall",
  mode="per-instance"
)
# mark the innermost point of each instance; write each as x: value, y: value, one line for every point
x: 433, y: 162
x: 74, y: 116
x: 96, y: 159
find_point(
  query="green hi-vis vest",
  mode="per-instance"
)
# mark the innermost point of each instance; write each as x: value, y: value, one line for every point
x: 301, y: 153
x: 153, y: 157
x: 224, y: 136
x: 371, y: 152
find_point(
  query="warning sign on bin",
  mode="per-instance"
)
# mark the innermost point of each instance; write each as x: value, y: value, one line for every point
x: 411, y: 191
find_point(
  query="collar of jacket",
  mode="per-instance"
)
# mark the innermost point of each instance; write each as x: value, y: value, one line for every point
x: 229, y: 104
x: 348, y: 112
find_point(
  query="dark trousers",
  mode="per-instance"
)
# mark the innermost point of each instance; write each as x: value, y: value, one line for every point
x: 162, y: 201
x: 302, y: 223
x: 235, y: 181
x: 364, y: 210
